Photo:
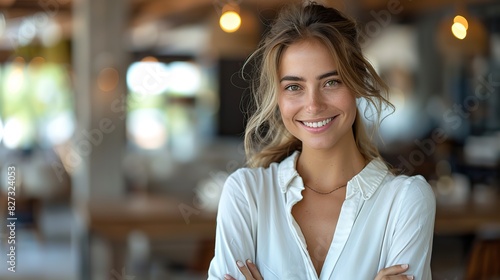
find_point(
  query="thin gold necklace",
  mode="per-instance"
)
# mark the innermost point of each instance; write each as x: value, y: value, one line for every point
x: 324, y: 193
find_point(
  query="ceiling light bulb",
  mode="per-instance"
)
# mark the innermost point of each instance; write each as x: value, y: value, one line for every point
x: 462, y: 20
x: 230, y: 21
x: 459, y: 30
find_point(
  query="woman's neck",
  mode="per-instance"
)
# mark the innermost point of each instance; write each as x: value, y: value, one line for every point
x: 325, y: 170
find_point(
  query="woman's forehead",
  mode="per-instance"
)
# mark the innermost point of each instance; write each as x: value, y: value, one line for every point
x: 307, y: 56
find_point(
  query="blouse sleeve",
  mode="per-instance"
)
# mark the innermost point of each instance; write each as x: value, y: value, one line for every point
x: 234, y: 236
x: 413, y: 233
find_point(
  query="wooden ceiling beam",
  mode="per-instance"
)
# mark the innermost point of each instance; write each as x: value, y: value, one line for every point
x: 417, y: 6
x: 159, y: 9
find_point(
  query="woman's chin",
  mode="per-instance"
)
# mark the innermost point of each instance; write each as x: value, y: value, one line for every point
x: 319, y: 146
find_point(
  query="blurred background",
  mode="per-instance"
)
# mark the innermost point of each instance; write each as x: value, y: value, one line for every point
x: 121, y: 119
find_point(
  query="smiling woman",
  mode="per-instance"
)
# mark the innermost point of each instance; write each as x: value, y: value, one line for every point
x: 318, y: 201
x: 316, y: 107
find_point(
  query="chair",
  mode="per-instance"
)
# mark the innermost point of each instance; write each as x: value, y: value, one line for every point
x: 484, y: 258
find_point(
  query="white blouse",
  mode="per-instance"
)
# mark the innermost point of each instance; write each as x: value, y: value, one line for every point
x: 385, y: 220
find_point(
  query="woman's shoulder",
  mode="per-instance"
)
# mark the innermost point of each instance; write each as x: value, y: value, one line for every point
x: 253, y: 179
x: 410, y: 188
x: 417, y: 181
x: 255, y: 173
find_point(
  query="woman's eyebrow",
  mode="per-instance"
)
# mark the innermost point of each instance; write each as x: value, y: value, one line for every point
x: 329, y: 74
x: 292, y: 78
x: 300, y: 79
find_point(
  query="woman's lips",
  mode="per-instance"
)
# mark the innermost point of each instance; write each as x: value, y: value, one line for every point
x: 318, y: 126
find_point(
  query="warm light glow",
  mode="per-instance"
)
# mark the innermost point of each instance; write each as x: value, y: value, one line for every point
x: 147, y: 128
x: 459, y: 30
x: 36, y: 61
x: 461, y: 20
x: 108, y: 79
x: 230, y: 21
x: 19, y: 60
x: 149, y: 59
x: 15, y: 79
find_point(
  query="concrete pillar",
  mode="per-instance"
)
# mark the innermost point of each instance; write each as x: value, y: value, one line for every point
x: 100, y: 61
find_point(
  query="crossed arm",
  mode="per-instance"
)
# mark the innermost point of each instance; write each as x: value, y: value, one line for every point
x: 251, y: 272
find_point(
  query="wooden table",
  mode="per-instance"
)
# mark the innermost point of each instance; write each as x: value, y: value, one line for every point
x: 158, y: 217
x: 466, y: 218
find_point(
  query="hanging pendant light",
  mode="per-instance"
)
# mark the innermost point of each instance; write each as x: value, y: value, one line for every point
x: 230, y: 20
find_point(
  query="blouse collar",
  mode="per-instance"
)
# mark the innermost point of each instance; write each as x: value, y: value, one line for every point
x: 367, y: 181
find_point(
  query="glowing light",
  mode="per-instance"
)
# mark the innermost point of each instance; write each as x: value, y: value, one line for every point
x: 148, y: 77
x: 15, y: 80
x: 147, y: 128
x: 230, y: 21
x: 15, y: 132
x: 149, y: 59
x: 27, y: 32
x: 60, y: 129
x: 185, y: 78
x: 108, y: 79
x: 459, y: 30
x: 36, y: 61
x: 51, y: 33
x: 445, y: 185
x: 460, y: 19
x: 19, y: 60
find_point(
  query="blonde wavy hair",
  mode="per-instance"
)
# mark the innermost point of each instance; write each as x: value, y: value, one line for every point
x: 266, y: 138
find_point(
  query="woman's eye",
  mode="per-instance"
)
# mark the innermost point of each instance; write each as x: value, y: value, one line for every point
x: 292, y: 88
x: 332, y: 83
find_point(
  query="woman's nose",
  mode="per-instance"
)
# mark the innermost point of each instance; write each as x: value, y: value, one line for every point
x: 315, y: 102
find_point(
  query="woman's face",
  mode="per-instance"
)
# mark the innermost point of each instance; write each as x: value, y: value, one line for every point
x: 315, y: 105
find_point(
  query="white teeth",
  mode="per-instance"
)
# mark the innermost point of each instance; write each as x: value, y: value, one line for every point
x: 318, y: 124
